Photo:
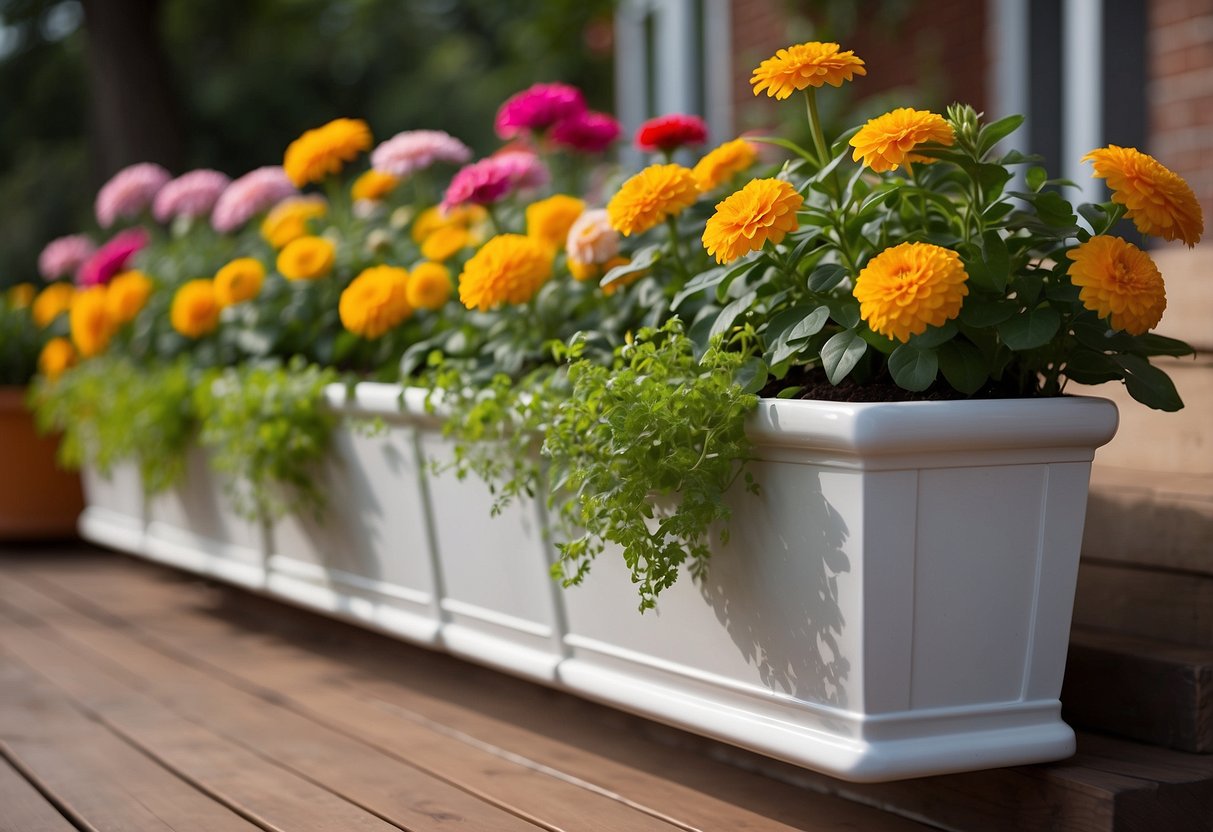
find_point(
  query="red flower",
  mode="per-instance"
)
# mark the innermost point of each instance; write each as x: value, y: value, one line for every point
x: 668, y: 133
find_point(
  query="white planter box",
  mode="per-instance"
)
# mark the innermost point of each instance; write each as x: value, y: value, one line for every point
x: 896, y: 604
x: 193, y: 526
x: 368, y: 557
x: 114, y: 514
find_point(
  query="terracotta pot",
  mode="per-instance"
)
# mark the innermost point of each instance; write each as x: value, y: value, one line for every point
x: 38, y: 499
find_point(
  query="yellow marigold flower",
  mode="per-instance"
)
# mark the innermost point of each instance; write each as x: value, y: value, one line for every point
x: 288, y: 221
x: 373, y: 185
x: 375, y: 301
x: 651, y: 196
x: 429, y: 286
x: 91, y: 325
x: 127, y: 295
x: 238, y: 281
x: 444, y: 243
x: 805, y: 65
x: 549, y: 220
x: 52, y: 302
x: 325, y: 150
x: 1157, y: 200
x: 582, y: 271
x: 509, y: 268
x: 1120, y: 282
x: 307, y: 258
x: 765, y: 209
x: 909, y: 287
x: 195, y: 309
x: 20, y: 296
x: 886, y: 142
x: 723, y: 163
x: 56, y: 357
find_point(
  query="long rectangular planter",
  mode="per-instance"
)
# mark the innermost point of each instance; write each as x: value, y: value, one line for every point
x: 895, y: 604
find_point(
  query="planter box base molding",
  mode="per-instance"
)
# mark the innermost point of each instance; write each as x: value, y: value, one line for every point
x: 895, y: 604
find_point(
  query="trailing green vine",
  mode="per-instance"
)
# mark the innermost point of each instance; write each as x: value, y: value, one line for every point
x: 266, y: 428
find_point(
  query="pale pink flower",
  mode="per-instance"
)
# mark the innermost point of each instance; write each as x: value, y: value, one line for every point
x: 129, y: 192
x: 495, y: 178
x: 538, y: 108
x: 587, y: 132
x: 414, y: 150
x: 65, y: 256
x: 112, y: 257
x: 592, y: 240
x: 191, y: 195
x: 258, y: 190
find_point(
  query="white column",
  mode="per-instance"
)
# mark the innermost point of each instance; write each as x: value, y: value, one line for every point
x: 1082, y: 92
x: 718, y: 69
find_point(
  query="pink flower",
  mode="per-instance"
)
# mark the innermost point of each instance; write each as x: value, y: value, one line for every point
x: 415, y: 150
x: 112, y: 257
x: 258, y: 190
x: 495, y: 178
x: 191, y: 195
x: 668, y: 133
x: 64, y: 256
x: 538, y: 108
x: 129, y: 192
x: 592, y: 239
x: 588, y: 132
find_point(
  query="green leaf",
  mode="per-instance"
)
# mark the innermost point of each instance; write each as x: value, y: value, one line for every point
x: 963, y: 366
x: 745, y: 269
x: 841, y: 353
x: 913, y: 369
x: 1035, y: 178
x: 992, y: 134
x: 982, y: 312
x: 844, y: 311
x: 787, y: 331
x: 992, y: 178
x: 1153, y: 344
x: 1054, y: 210
x: 934, y: 336
x: 698, y: 283
x: 1149, y: 385
x: 1030, y: 329
x: 1087, y: 366
x: 826, y: 276
x: 724, y: 321
x: 751, y: 376
x: 786, y: 145
x: 877, y: 341
x: 641, y: 261
x: 998, y: 260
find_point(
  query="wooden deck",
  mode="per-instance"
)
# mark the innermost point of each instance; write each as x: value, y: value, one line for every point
x: 134, y: 698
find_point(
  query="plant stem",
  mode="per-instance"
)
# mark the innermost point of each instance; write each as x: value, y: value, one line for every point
x: 819, y: 138
x: 676, y: 252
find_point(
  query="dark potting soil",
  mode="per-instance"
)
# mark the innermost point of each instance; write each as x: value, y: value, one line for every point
x: 815, y: 386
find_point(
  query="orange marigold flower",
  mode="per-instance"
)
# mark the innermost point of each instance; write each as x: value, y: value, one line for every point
x: 723, y: 163
x: 195, y: 309
x: 307, y: 258
x: 91, y: 325
x: 1158, y: 200
x: 239, y: 280
x: 1120, y: 282
x: 909, y: 287
x: 765, y: 209
x: 445, y: 242
x: 549, y: 220
x: 289, y: 219
x: 52, y: 302
x: 429, y: 286
x: 20, y: 296
x: 375, y: 301
x: 650, y: 197
x: 56, y: 357
x: 127, y: 295
x: 373, y: 185
x: 886, y: 142
x: 325, y: 150
x: 509, y: 268
x: 805, y: 65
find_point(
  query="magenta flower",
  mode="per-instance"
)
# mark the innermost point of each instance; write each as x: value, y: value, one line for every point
x: 258, y: 190
x: 65, y: 256
x: 587, y: 132
x: 538, y: 108
x: 129, y: 192
x: 191, y: 195
x: 414, y: 150
x: 112, y: 257
x: 494, y: 178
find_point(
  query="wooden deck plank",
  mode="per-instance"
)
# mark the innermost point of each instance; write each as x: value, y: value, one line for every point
x: 235, y: 777
x: 23, y: 808
x: 368, y: 776
x: 100, y: 781
x: 325, y: 669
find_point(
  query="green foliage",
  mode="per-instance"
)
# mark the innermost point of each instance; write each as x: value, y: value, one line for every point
x: 642, y: 453
x: 267, y: 428
x: 111, y: 410
x: 20, y: 343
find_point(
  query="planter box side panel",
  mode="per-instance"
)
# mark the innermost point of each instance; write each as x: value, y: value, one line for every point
x: 114, y: 513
